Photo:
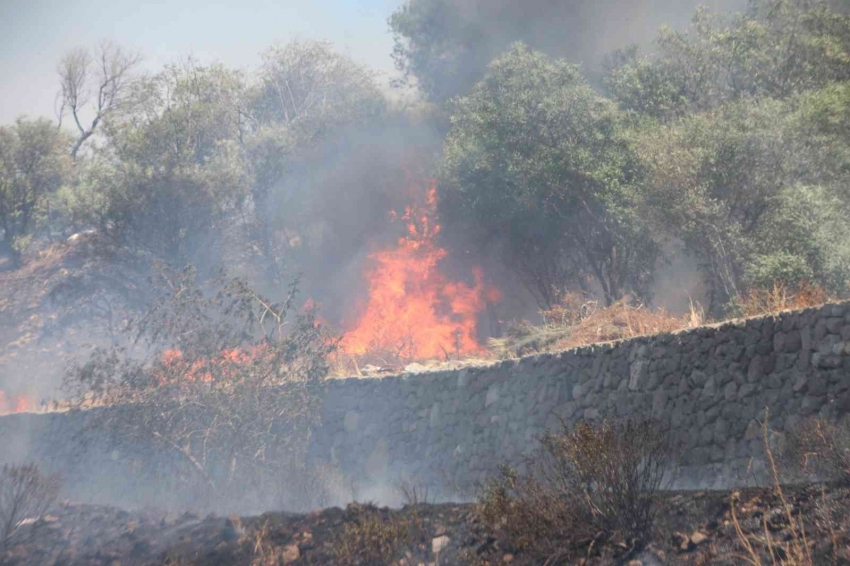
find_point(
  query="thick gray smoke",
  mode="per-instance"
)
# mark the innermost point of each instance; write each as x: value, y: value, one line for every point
x: 473, y: 32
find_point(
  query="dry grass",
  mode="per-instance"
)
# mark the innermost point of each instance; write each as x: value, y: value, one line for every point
x: 581, y: 323
x: 619, y: 321
x: 780, y: 297
x: 375, y: 538
x: 794, y: 549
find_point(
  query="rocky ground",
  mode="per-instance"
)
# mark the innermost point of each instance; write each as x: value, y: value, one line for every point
x: 694, y: 528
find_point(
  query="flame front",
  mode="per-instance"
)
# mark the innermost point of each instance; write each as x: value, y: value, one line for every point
x: 414, y: 312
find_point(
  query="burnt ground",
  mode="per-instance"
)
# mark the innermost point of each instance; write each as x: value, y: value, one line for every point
x: 694, y: 528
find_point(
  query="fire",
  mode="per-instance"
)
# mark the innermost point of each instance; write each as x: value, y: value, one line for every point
x: 222, y: 367
x: 414, y: 311
x: 15, y: 404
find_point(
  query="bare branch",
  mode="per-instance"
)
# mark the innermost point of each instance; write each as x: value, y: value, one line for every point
x: 106, y: 78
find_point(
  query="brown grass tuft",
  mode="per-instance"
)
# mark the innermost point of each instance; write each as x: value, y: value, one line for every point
x: 375, y: 538
x: 794, y: 549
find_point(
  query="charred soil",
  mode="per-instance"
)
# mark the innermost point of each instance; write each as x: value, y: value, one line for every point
x: 693, y: 528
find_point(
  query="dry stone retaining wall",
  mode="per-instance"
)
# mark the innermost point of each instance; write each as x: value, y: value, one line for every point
x: 709, y: 385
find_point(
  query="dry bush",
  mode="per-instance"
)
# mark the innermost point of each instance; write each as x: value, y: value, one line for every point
x: 820, y: 448
x: 25, y: 493
x: 585, y: 486
x: 218, y: 389
x: 779, y: 297
x: 571, y: 309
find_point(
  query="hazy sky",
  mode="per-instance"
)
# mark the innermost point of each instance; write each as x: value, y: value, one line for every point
x: 34, y: 34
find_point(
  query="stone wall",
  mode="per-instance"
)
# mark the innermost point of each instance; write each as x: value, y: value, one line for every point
x: 710, y: 385
x: 451, y: 430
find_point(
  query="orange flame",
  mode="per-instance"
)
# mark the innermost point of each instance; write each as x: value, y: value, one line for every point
x: 15, y: 404
x: 226, y: 365
x: 414, y: 311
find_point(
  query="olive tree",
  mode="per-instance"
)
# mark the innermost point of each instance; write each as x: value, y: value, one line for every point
x: 537, y: 163
x: 33, y: 165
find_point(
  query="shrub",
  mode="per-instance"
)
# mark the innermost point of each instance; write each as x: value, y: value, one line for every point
x: 25, y: 493
x: 221, y: 408
x: 584, y: 486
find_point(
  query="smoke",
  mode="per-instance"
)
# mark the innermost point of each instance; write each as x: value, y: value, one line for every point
x: 334, y: 207
x: 474, y: 32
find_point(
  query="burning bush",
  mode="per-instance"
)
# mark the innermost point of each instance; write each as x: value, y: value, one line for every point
x: 414, y: 311
x: 585, y: 486
x: 218, y: 391
x: 25, y: 493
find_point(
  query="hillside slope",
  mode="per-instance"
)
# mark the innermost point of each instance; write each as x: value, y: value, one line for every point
x: 66, y: 298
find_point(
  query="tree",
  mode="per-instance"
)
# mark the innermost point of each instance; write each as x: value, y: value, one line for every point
x: 736, y: 185
x: 219, y: 383
x: 173, y: 169
x: 538, y: 163
x: 33, y: 165
x: 98, y: 84
x: 308, y: 96
x: 778, y: 49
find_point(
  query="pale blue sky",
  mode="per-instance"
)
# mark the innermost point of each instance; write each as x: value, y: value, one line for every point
x: 34, y: 34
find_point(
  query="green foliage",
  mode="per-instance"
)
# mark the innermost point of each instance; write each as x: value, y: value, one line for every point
x: 538, y: 163
x: 34, y: 163
x: 754, y: 192
x: 173, y: 168
x: 725, y: 182
x: 432, y: 44
x: 307, y: 92
x: 777, y: 50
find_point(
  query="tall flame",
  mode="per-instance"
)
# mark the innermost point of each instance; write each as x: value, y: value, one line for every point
x: 414, y: 311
